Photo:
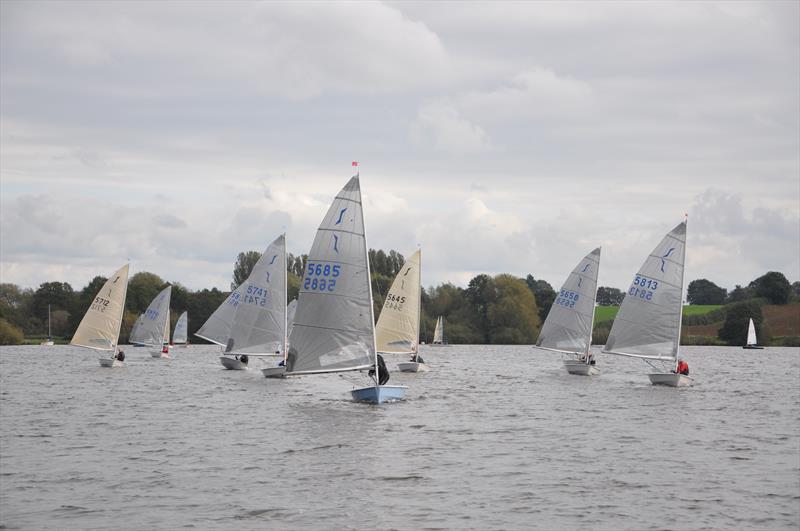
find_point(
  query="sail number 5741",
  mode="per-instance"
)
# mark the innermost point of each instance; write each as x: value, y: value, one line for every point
x: 321, y: 277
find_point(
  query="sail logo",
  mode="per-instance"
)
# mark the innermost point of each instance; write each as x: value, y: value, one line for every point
x: 267, y: 277
x: 666, y: 255
x: 341, y: 215
x: 580, y: 280
x: 273, y: 259
x: 336, y: 242
x: 111, y: 287
x: 585, y: 268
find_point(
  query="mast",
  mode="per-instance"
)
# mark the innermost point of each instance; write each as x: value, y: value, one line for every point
x: 119, y: 326
x: 419, y: 307
x: 49, y: 334
x: 286, y: 302
x: 369, y: 284
x: 683, y: 273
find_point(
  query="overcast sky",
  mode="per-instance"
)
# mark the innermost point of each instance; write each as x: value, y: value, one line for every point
x: 501, y: 137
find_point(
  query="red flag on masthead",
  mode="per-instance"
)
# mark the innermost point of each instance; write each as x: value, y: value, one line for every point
x: 355, y: 163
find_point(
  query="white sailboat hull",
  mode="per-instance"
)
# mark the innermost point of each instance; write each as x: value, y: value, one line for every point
x: 671, y: 379
x: 110, y: 362
x: 379, y: 394
x: 232, y: 364
x: 274, y: 372
x: 581, y: 368
x: 413, y: 366
x: 160, y: 354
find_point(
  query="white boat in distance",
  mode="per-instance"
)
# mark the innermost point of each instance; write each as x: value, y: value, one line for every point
x: 648, y: 324
x: 180, y: 334
x: 100, y: 326
x: 568, y: 326
x: 154, y: 330
x: 752, y: 341
x: 49, y: 341
x: 439, y: 339
x: 334, y: 327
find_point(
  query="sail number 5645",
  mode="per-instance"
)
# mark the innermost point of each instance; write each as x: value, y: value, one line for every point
x: 321, y: 277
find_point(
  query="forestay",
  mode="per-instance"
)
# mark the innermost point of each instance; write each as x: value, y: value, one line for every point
x: 397, y: 330
x: 154, y: 325
x: 568, y: 327
x: 99, y: 328
x: 648, y: 322
x: 179, y: 336
x: 333, y: 327
x: 259, y: 320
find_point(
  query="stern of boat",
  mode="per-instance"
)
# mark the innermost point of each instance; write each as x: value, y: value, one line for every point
x: 379, y: 394
x: 581, y: 368
x: 232, y: 364
x: 412, y: 366
x: 274, y: 372
x: 670, y: 379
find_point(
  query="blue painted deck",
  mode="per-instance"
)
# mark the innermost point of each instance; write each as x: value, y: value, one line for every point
x: 379, y: 394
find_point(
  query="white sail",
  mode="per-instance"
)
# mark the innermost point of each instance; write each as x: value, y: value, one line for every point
x: 568, y: 327
x: 99, y: 328
x: 290, y: 311
x: 751, y: 334
x: 180, y: 335
x: 438, y: 332
x: 154, y: 325
x: 397, y: 330
x: 648, y: 322
x: 259, y: 320
x: 333, y: 327
x: 218, y: 325
x: 137, y: 332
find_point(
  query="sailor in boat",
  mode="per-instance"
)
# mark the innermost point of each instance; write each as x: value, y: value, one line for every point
x: 120, y: 356
x: 683, y: 368
x: 383, y: 372
x: 417, y: 358
x: 243, y: 358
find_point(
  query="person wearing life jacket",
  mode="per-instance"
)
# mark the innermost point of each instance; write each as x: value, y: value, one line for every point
x: 683, y: 368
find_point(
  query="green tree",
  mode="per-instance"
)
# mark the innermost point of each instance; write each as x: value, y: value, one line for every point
x: 544, y: 294
x: 739, y: 294
x: 200, y: 305
x: 15, y: 304
x: 244, y: 265
x: 59, y: 295
x: 609, y: 296
x: 480, y: 293
x: 734, y: 330
x: 142, y: 289
x: 796, y: 290
x: 10, y: 334
x: 513, y: 315
x: 773, y: 286
x: 703, y: 291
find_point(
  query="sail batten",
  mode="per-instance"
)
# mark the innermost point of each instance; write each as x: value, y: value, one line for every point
x: 648, y: 322
x: 333, y: 327
x: 568, y: 326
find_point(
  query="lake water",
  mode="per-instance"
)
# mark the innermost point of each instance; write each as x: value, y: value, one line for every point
x: 493, y: 437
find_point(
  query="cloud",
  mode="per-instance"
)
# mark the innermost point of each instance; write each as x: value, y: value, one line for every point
x: 439, y: 125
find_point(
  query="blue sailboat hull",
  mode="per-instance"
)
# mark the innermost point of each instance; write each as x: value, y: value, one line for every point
x: 379, y: 394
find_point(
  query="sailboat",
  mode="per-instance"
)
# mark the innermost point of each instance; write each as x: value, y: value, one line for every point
x: 49, y: 341
x: 568, y: 327
x: 397, y: 331
x: 100, y: 326
x: 334, y: 327
x: 752, y: 342
x: 136, y: 337
x: 648, y: 324
x: 252, y: 320
x: 280, y: 370
x: 180, y: 334
x: 154, y: 332
x: 438, y: 333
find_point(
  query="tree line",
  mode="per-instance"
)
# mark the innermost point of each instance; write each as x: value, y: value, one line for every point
x: 500, y: 309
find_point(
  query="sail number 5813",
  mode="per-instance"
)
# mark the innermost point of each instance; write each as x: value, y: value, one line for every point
x: 321, y: 277
x: 643, y: 287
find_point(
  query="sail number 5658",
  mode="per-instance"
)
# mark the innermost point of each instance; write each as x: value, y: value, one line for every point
x: 321, y: 277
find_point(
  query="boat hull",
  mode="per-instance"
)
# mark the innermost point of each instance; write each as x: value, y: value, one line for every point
x: 274, y: 372
x: 232, y: 364
x: 109, y: 362
x: 671, y: 379
x: 159, y: 354
x: 379, y: 394
x: 47, y: 343
x: 580, y: 368
x: 753, y: 347
x: 412, y: 366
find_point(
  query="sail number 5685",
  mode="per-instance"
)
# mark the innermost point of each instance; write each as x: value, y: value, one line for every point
x: 321, y: 277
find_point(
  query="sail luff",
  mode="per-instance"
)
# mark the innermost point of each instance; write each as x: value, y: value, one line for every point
x: 680, y: 292
x: 369, y: 290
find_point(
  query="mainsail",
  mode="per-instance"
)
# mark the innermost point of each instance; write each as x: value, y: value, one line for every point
x: 751, y: 334
x: 438, y: 332
x: 333, y: 326
x: 218, y: 325
x: 259, y: 320
x: 99, y: 328
x: 649, y: 319
x: 397, y: 330
x: 156, y: 319
x: 137, y: 331
x: 568, y: 327
x: 179, y: 337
